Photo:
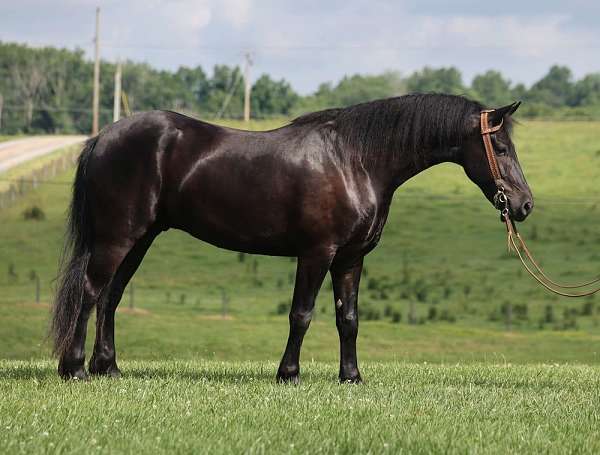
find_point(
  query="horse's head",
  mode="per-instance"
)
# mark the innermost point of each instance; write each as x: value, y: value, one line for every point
x: 477, y: 167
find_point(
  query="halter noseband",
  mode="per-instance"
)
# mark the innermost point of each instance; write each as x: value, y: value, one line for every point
x: 501, y: 203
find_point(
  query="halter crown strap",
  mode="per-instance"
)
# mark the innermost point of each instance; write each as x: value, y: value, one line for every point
x: 486, y: 131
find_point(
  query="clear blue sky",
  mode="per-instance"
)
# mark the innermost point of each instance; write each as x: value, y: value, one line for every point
x: 308, y: 42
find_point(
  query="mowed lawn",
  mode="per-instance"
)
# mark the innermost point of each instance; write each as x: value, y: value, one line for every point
x: 230, y: 407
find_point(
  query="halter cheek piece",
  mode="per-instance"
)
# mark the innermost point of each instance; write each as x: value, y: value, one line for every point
x: 501, y: 203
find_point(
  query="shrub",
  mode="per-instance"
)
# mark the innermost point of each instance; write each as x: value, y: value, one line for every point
x: 549, y: 314
x: 282, y: 308
x: 588, y: 308
x: 34, y: 213
x: 396, y: 317
x: 432, y: 313
x: 446, y: 315
x: 387, y: 311
x: 370, y: 313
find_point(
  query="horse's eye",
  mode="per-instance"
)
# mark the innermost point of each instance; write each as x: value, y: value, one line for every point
x: 499, y: 147
x: 501, y: 150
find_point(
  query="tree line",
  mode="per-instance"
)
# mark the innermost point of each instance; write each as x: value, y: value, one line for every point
x: 50, y: 90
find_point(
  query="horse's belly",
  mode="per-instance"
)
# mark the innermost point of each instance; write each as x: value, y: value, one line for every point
x: 242, y: 222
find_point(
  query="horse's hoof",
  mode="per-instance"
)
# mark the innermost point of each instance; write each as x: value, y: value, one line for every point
x: 288, y: 378
x: 108, y: 369
x: 351, y: 380
x: 75, y: 375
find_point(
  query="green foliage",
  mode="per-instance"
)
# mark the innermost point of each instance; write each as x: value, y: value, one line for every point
x: 271, y: 97
x: 50, y: 90
x: 353, y: 90
x: 440, y: 80
x: 555, y: 89
x: 492, y: 89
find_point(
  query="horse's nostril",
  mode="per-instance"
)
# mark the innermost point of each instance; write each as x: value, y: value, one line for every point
x: 527, y: 207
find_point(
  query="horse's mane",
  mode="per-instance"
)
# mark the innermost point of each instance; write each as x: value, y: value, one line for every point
x: 411, y: 125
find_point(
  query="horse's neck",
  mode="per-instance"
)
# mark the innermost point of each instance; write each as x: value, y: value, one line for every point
x: 393, y: 174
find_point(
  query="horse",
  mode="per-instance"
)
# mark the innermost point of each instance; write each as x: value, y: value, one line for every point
x: 318, y: 189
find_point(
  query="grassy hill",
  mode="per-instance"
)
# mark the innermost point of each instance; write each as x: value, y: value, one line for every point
x: 443, y: 252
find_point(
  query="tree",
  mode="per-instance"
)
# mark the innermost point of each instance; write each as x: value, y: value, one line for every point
x: 554, y: 89
x: 587, y: 91
x: 441, y: 80
x: 271, y: 97
x: 492, y: 89
x: 355, y: 89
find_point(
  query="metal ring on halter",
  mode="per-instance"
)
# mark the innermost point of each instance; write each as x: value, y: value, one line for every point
x: 502, y: 197
x: 504, y: 212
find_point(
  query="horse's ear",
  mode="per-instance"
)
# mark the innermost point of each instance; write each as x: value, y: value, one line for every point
x: 498, y: 114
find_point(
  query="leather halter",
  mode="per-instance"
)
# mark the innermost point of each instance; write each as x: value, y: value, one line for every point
x: 502, y: 204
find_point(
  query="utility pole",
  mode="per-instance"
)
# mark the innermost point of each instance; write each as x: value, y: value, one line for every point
x: 117, y: 100
x: 96, y: 100
x: 247, y: 87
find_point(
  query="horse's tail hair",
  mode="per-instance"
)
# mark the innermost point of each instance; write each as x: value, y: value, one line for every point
x: 76, y: 254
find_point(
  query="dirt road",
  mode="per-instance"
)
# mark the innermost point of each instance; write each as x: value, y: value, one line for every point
x: 18, y: 151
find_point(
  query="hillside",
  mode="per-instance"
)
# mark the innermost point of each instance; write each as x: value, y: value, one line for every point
x: 443, y: 250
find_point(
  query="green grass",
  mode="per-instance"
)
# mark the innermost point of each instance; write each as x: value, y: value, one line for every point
x: 236, y: 407
x: 24, y: 170
x: 4, y: 137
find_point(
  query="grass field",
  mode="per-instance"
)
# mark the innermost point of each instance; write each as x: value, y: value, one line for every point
x: 230, y: 407
x: 447, y: 258
x: 199, y: 347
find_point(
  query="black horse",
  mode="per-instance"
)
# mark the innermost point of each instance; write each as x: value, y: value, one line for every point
x: 319, y: 189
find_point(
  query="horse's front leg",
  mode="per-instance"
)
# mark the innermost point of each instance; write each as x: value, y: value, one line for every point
x: 310, y: 272
x: 346, y: 279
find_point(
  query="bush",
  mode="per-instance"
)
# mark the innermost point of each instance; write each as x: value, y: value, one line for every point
x: 371, y: 313
x: 588, y: 308
x: 34, y: 213
x: 387, y: 311
x: 396, y: 317
x: 447, y: 316
x: 282, y: 308
x: 549, y: 314
x: 432, y: 313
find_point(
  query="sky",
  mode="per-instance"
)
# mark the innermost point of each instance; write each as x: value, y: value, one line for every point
x: 310, y: 42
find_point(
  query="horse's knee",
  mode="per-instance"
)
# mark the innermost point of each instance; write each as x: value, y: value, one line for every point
x: 300, y: 319
x: 346, y: 318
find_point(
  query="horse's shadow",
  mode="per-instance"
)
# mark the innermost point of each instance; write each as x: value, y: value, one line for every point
x: 25, y: 371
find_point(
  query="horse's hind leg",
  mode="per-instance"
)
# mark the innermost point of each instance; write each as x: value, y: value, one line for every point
x: 98, y: 275
x: 104, y: 360
x: 346, y: 279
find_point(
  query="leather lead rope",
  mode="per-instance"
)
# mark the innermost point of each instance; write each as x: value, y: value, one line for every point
x: 501, y: 202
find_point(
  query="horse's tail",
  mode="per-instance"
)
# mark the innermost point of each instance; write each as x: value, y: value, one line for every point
x: 75, y: 258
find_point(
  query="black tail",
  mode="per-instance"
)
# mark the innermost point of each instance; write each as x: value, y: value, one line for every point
x: 76, y: 255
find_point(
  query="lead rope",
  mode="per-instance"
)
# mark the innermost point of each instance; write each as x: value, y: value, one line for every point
x: 501, y: 203
x: 512, y: 233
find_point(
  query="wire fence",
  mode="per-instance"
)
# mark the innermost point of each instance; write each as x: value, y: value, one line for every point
x: 43, y: 175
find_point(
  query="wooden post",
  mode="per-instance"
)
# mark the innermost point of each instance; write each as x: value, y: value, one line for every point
x: 131, y: 295
x: 96, y: 97
x: 37, y: 288
x: 247, y: 87
x: 1, y: 106
x: 224, y: 302
x: 117, y: 100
